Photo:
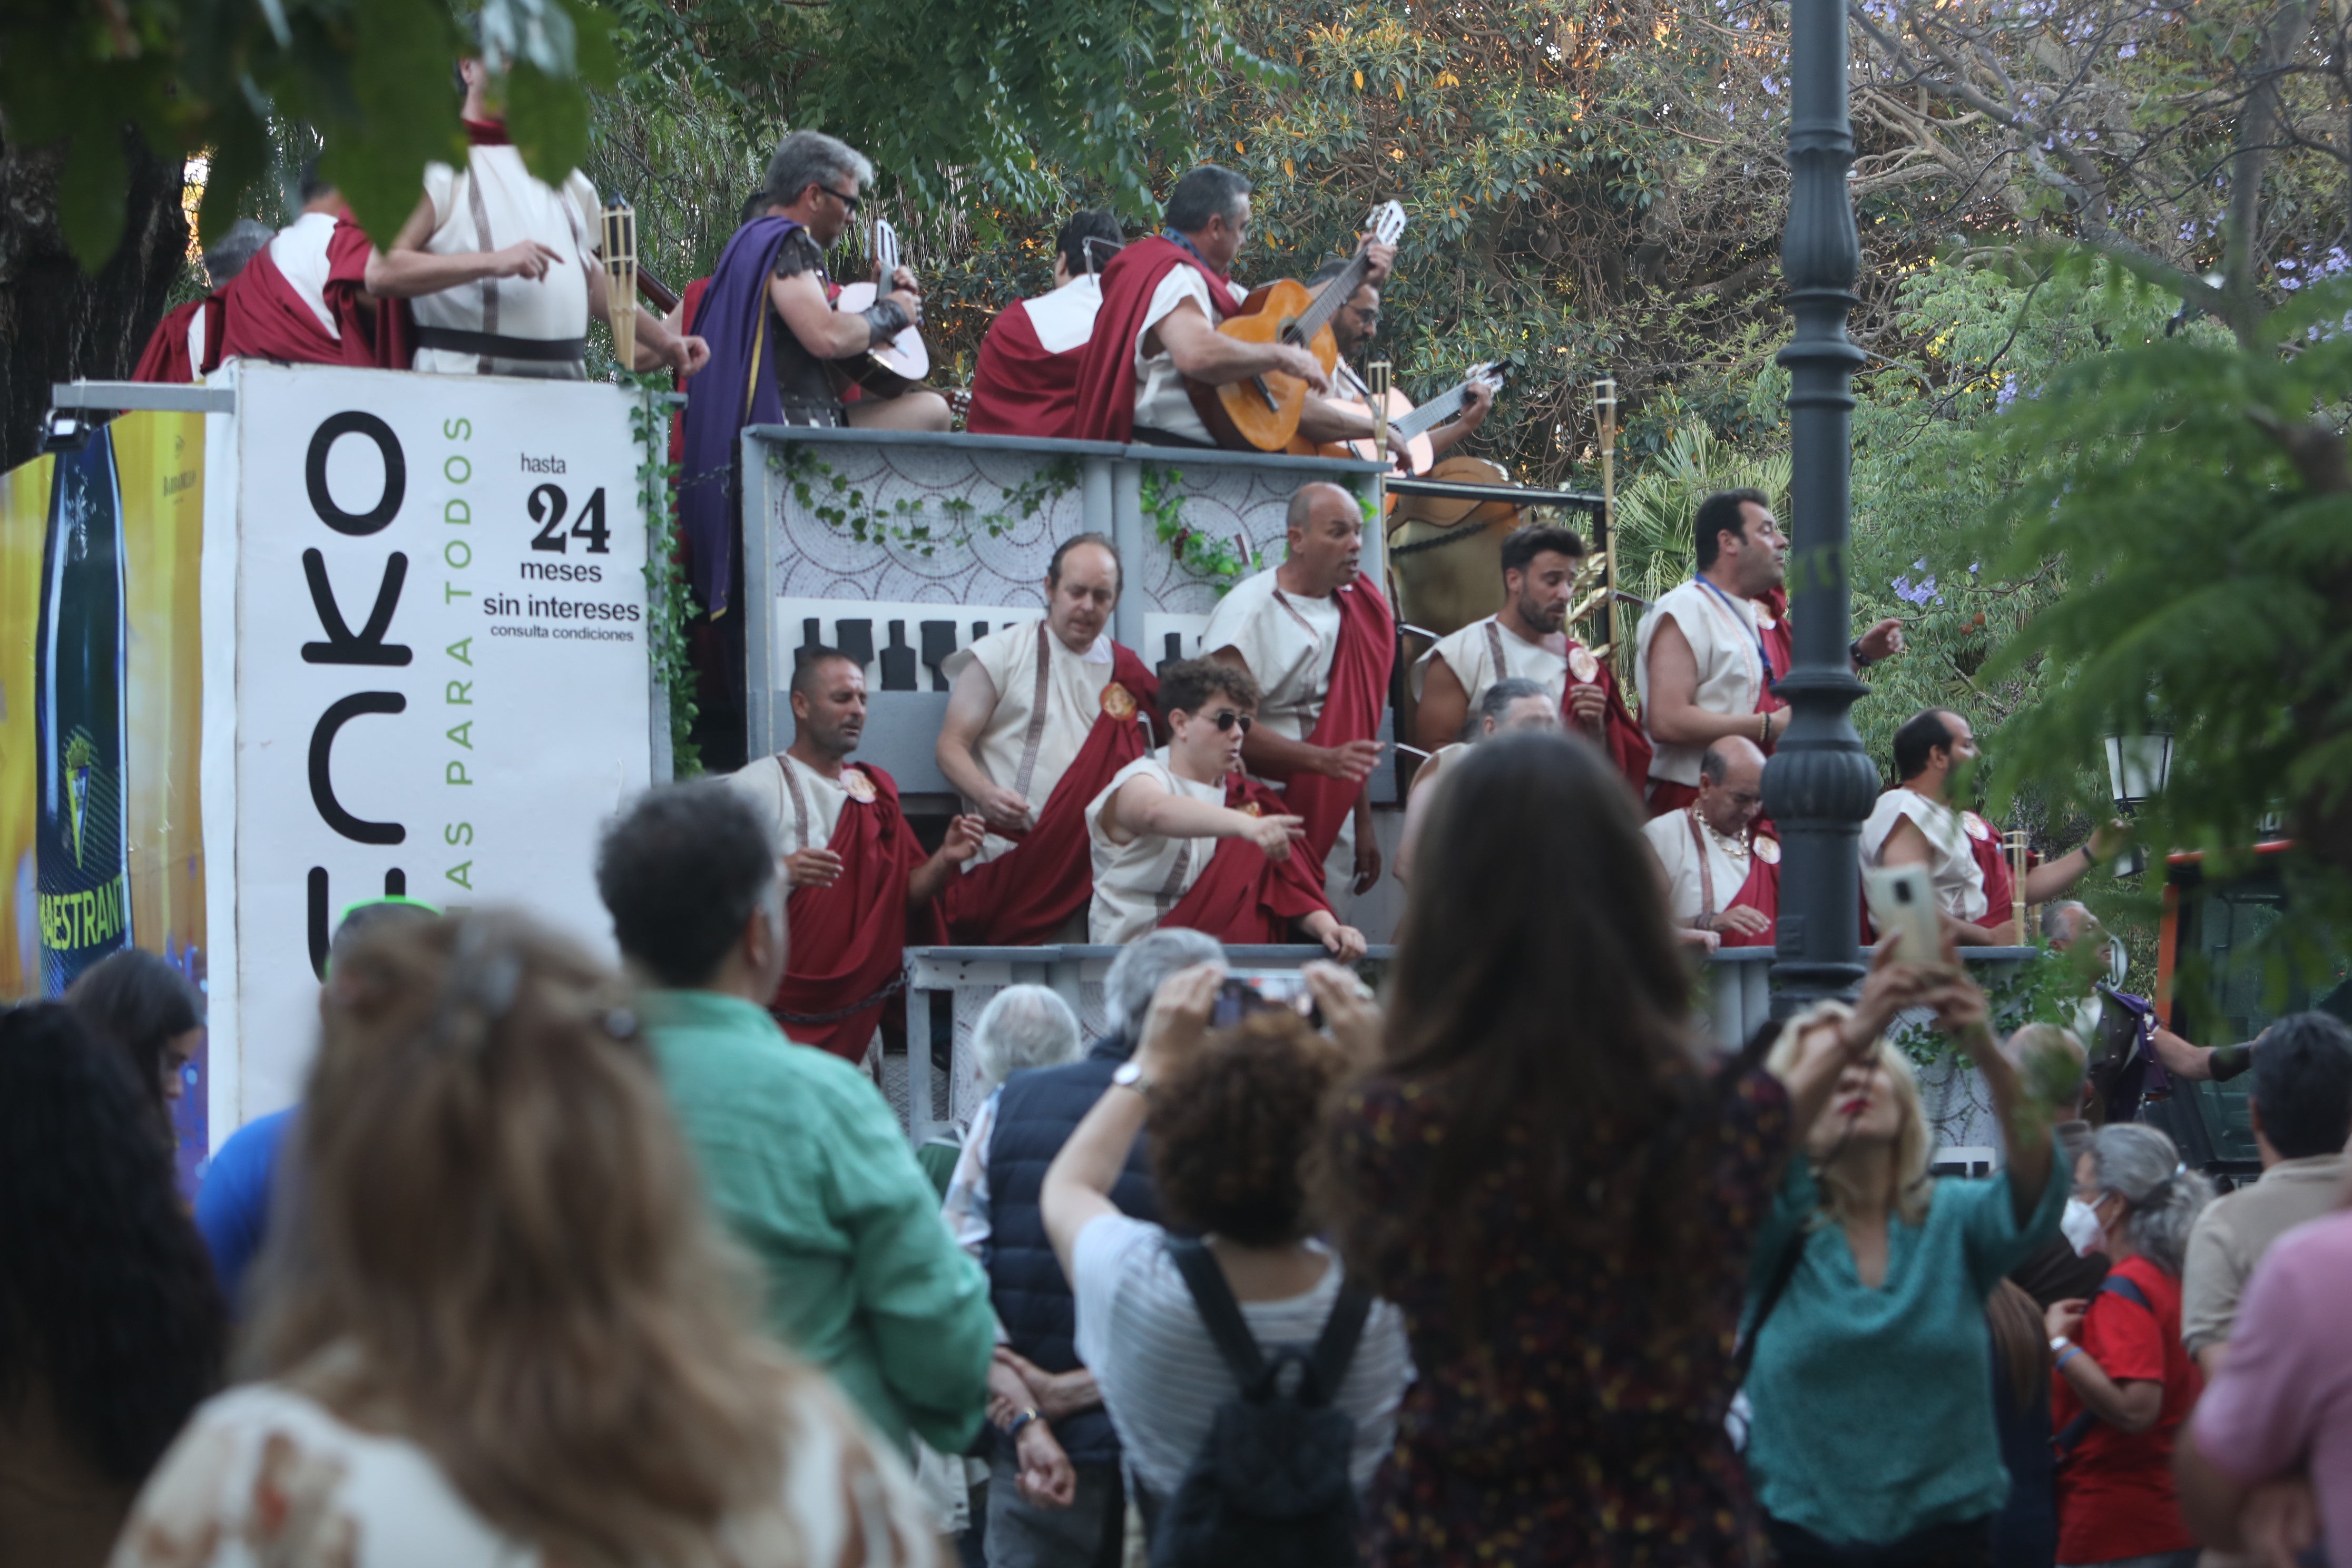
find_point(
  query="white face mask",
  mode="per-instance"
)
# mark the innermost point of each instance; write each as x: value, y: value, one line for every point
x: 2080, y: 1228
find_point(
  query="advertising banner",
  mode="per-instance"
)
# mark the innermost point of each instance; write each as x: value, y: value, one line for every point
x: 101, y: 717
x: 440, y: 685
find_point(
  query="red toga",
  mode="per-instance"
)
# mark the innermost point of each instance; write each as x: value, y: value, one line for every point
x: 2000, y: 881
x: 1621, y: 735
x: 166, y: 358
x: 1243, y: 897
x: 1026, y: 894
x: 846, y: 943
x: 1025, y: 382
x: 1106, y: 393
x: 267, y: 316
x: 1360, y: 662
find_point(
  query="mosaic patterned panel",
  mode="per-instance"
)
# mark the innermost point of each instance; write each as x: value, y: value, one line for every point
x: 814, y: 559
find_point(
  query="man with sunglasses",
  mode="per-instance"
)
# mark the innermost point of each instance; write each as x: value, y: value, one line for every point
x: 1354, y: 330
x: 768, y: 315
x: 1722, y: 877
x: 1181, y: 838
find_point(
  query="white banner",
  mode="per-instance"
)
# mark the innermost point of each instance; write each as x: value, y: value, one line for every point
x: 441, y: 683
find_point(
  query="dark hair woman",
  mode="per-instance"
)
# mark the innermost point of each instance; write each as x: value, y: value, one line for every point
x: 110, y: 1328
x: 140, y: 1003
x: 1551, y: 1176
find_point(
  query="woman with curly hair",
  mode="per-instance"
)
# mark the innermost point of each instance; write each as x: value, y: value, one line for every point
x: 1553, y: 1177
x: 110, y: 1329
x: 1232, y: 1116
x: 499, y: 1327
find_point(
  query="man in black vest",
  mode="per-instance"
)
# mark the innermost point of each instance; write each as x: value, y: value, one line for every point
x: 993, y: 1207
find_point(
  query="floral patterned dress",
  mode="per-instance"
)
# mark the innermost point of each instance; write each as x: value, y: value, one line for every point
x: 1565, y: 1426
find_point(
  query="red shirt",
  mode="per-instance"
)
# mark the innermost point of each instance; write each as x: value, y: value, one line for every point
x: 2115, y: 1487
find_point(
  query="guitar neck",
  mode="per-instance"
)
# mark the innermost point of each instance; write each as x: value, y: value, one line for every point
x: 1429, y: 416
x: 1336, y: 293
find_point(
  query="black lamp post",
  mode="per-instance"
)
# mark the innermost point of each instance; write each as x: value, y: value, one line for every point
x: 1819, y: 786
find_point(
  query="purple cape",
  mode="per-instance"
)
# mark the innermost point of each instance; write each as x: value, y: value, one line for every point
x: 721, y: 398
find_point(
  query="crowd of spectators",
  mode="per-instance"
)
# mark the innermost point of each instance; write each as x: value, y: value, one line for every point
x: 562, y: 1264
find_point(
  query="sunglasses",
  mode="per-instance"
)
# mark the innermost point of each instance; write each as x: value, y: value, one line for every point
x: 852, y: 203
x: 1227, y: 718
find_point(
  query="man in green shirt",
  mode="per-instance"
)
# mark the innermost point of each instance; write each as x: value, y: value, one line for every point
x: 800, y: 1155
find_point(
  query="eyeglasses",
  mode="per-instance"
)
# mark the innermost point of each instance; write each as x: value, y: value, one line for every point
x: 843, y: 197
x: 1227, y: 718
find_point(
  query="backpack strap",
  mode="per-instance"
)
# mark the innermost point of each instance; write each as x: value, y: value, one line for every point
x: 1220, y: 1313
x: 2074, y: 1431
x: 1335, y: 1348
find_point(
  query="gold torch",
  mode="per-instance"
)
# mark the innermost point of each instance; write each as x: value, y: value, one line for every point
x: 2014, y: 842
x: 621, y: 278
x: 1604, y: 413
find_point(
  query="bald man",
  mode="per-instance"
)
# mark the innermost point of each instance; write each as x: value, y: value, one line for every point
x: 1320, y: 640
x: 1723, y: 877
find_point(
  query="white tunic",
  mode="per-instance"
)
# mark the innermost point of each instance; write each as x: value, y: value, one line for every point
x: 1721, y: 630
x: 1486, y: 651
x: 1160, y: 401
x: 196, y: 344
x: 1065, y: 319
x: 801, y: 806
x: 1140, y: 880
x: 489, y: 205
x: 300, y: 253
x: 1959, y: 880
x: 1287, y: 640
x: 1687, y: 885
x: 1046, y: 708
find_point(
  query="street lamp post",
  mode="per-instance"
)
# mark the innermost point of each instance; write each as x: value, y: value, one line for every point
x: 1819, y: 786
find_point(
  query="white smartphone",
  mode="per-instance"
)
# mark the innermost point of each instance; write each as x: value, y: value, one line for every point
x: 1903, y: 906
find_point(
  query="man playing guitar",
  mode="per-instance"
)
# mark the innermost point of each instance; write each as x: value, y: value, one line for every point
x: 1162, y: 298
x: 1353, y: 328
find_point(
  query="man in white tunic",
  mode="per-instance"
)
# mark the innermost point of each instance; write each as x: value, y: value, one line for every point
x: 1513, y: 702
x: 1291, y: 628
x: 1722, y: 877
x: 1040, y: 715
x: 502, y: 270
x: 1184, y: 813
x: 857, y: 874
x: 1701, y: 664
x: 1157, y: 327
x: 1916, y: 824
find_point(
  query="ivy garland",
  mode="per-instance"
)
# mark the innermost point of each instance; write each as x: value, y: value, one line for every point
x: 1205, y: 557
x: 668, y: 606
x: 828, y: 495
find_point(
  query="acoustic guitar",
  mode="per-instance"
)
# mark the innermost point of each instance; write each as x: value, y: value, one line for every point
x: 891, y: 368
x: 1260, y: 413
x: 1409, y: 427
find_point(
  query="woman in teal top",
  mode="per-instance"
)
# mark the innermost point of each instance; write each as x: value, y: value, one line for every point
x: 1872, y: 1440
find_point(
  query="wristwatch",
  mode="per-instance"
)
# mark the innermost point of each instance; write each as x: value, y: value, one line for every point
x: 1012, y: 1428
x: 1129, y: 1075
x: 2059, y: 1342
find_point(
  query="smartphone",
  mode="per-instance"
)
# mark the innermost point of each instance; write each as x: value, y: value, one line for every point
x: 1903, y: 906
x: 1242, y: 994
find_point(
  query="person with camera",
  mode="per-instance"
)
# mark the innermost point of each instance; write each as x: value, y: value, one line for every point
x: 1560, y: 1185
x: 1232, y: 1113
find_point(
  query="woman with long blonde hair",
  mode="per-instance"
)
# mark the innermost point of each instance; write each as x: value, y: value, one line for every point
x: 1873, y: 1439
x: 497, y: 1326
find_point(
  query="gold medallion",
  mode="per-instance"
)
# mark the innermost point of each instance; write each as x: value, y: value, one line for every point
x: 1582, y: 665
x: 1119, y: 701
x: 1250, y: 808
x: 1767, y: 849
x: 861, y: 788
